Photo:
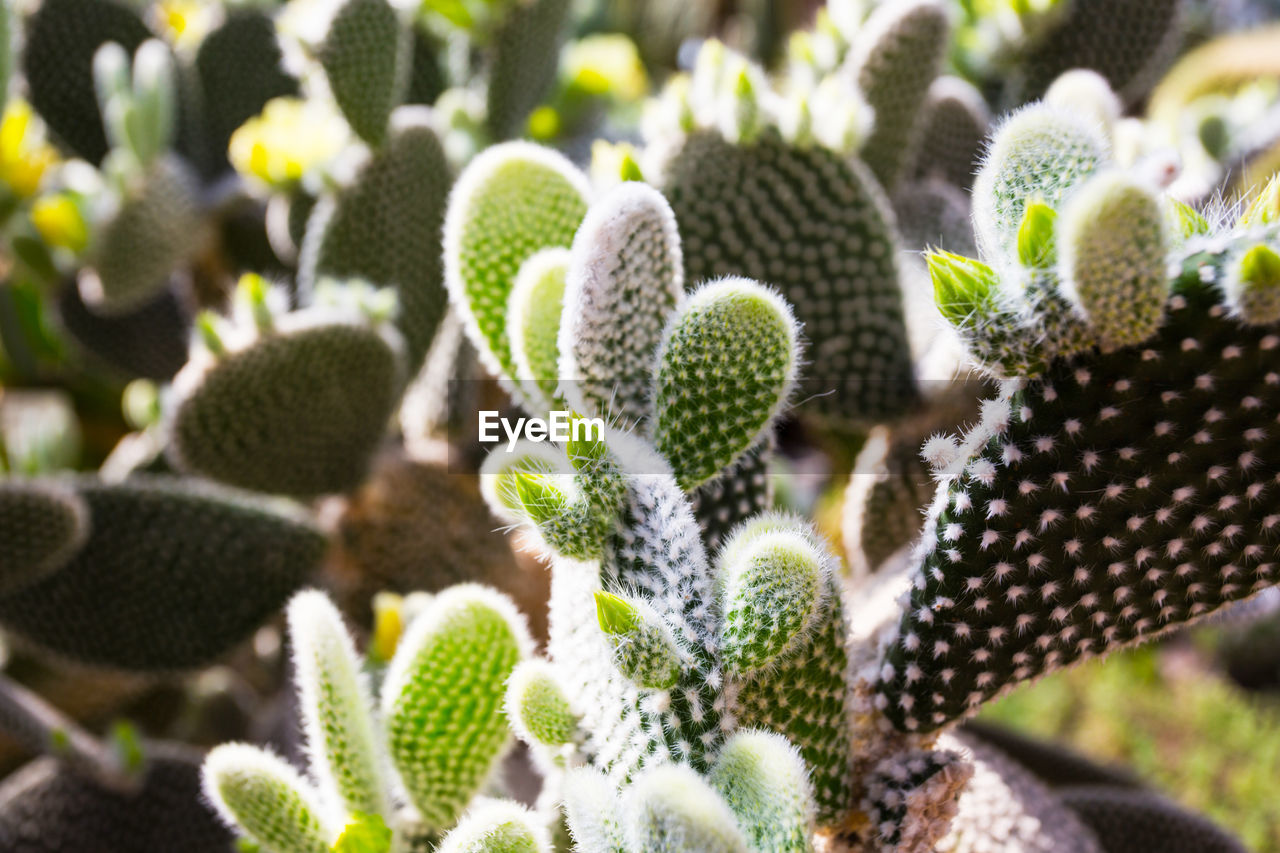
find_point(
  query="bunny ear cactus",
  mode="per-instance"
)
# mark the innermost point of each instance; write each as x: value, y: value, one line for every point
x: 150, y: 341
x: 440, y: 727
x: 1055, y: 535
x: 294, y: 404
x: 365, y: 55
x: 526, y: 49
x: 170, y: 576
x: 764, y: 187
x: 953, y: 127
x: 384, y: 227
x: 533, y: 323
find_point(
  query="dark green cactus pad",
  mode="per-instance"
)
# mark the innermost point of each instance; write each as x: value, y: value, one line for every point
x: 150, y: 342
x: 741, y: 491
x: 62, y: 37
x: 385, y: 228
x: 366, y: 58
x: 1130, y: 821
x: 426, y: 76
x: 41, y: 526
x: 172, y: 576
x: 526, y: 55
x: 953, y: 127
x: 934, y: 214
x: 1053, y: 764
x: 814, y: 225
x: 154, y: 231
x: 239, y: 71
x: 47, y: 808
x: 1113, y: 498
x: 298, y: 413
x: 1130, y: 42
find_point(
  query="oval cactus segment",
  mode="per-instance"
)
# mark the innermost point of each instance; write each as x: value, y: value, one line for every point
x: 726, y: 366
x: 512, y: 200
x: 297, y: 413
x: 533, y: 322
x: 1038, y: 154
x: 365, y: 57
x: 498, y: 826
x: 42, y: 525
x: 1113, y: 245
x: 171, y: 576
x: 625, y: 279
x: 443, y: 697
x: 593, y: 812
x: 670, y: 809
x: 538, y: 706
x: 263, y: 796
x: 764, y: 780
x: 335, y: 701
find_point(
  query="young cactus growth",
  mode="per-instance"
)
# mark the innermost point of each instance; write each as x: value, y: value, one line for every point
x: 267, y: 799
x: 498, y: 827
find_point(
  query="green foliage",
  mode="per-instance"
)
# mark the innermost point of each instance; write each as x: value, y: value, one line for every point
x: 365, y: 56
x: 42, y: 525
x: 725, y: 368
x: 172, y: 576
x: 643, y: 647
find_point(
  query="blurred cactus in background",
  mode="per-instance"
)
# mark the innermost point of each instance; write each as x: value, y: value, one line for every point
x: 986, y: 291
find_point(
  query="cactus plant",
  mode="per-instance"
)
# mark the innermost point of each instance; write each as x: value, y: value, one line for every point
x: 440, y: 729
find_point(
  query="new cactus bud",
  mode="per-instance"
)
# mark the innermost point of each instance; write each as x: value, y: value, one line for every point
x: 498, y: 826
x: 1037, y: 246
x: 643, y: 647
x: 1255, y: 289
x: 731, y: 349
x: 537, y: 706
x: 593, y: 812
x: 261, y: 794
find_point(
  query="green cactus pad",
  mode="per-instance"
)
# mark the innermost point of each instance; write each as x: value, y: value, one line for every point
x: 301, y: 412
x: 895, y: 58
x: 385, y: 228
x: 533, y: 322
x: 765, y: 783
x: 525, y: 54
x: 261, y: 794
x: 742, y: 490
x: 498, y: 827
x: 537, y: 706
x: 239, y: 68
x: 57, y: 61
x: 512, y: 201
x: 365, y: 56
x: 1114, y: 498
x: 442, y: 700
x: 154, y: 230
x: 812, y: 223
x: 953, y: 126
x: 49, y: 808
x: 1131, y: 821
x: 725, y: 368
x: 42, y: 525
x: 335, y: 705
x: 171, y: 576
x: 625, y: 279
x: 149, y: 342
x: 1129, y: 42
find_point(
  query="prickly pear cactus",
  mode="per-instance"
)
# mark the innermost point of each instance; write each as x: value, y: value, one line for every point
x: 42, y: 525
x: 1116, y: 488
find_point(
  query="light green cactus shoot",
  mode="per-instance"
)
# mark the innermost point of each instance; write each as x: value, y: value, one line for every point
x: 263, y: 796
x: 765, y: 782
x: 498, y: 826
x: 538, y: 707
x: 336, y: 707
x: 512, y: 201
x: 670, y: 808
x: 533, y: 323
x: 139, y: 108
x: 725, y: 369
x: 643, y: 647
x: 1254, y: 289
x: 626, y: 277
x: 443, y: 695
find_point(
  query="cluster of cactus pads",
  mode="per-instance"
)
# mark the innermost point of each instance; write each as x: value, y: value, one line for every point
x: 712, y: 679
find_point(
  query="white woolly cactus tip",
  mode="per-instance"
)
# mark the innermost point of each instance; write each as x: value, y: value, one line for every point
x: 335, y: 704
x: 1113, y: 244
x: 261, y: 795
x: 765, y: 782
x: 511, y: 201
x: 726, y: 368
x: 671, y: 809
x: 1039, y: 152
x: 443, y: 694
x: 1087, y: 93
x: 498, y: 826
x: 626, y: 276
